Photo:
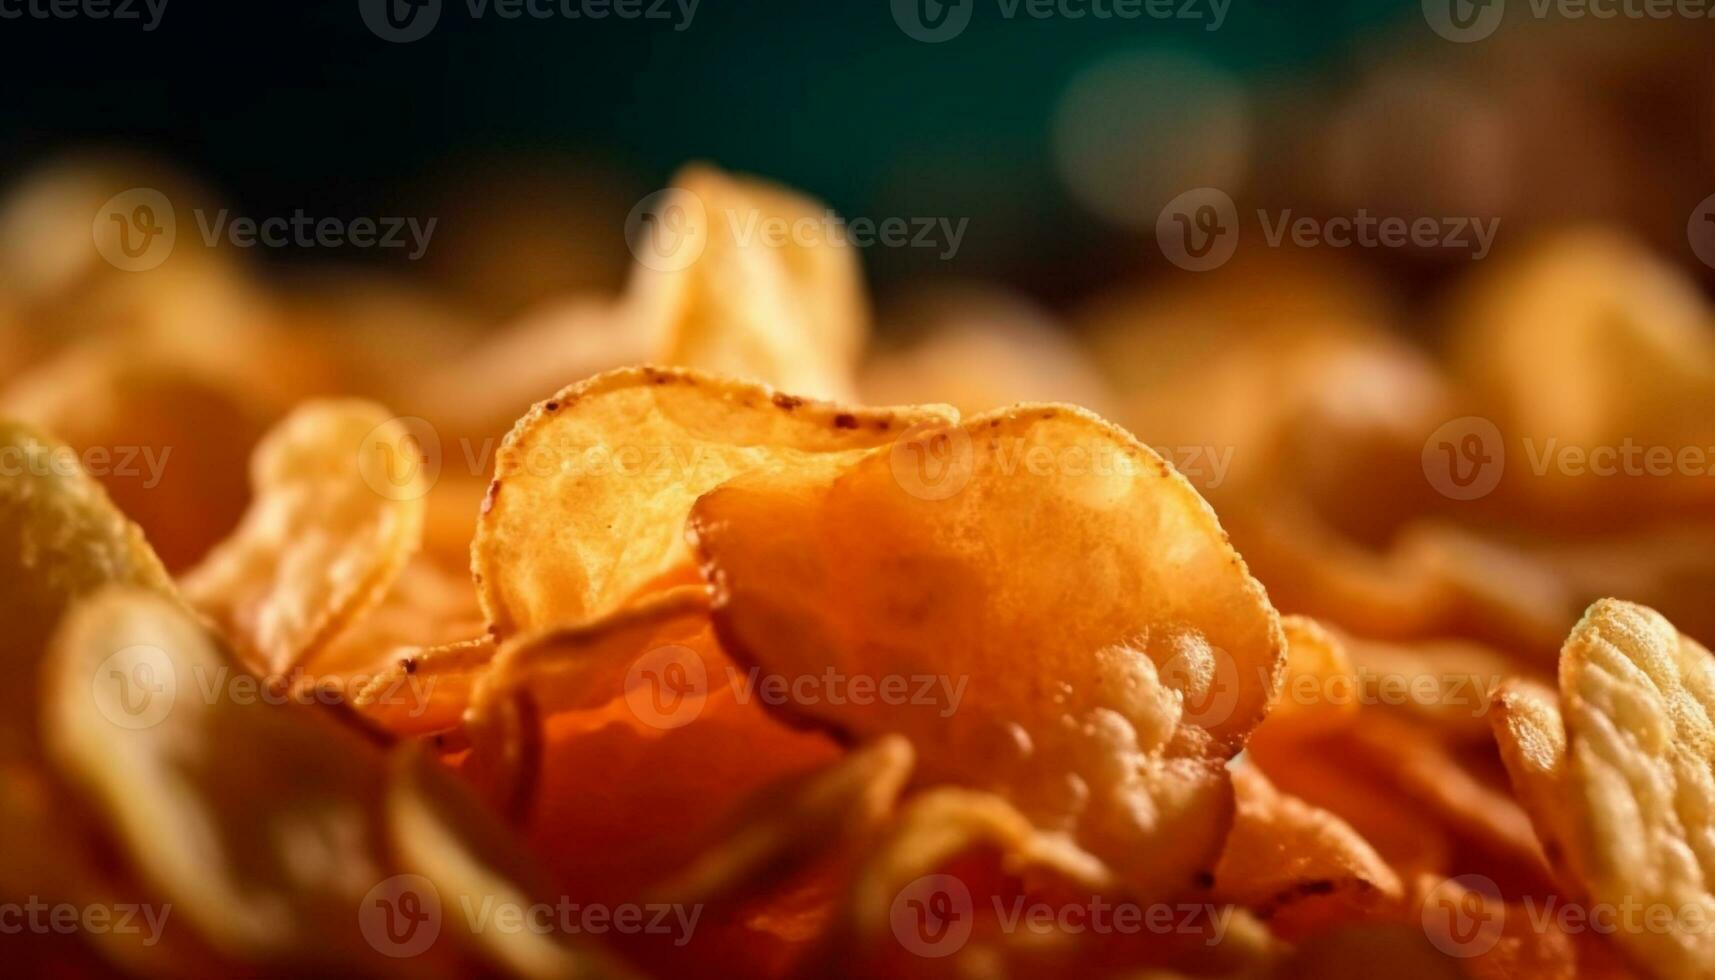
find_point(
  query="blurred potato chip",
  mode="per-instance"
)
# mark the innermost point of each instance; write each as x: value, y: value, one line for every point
x: 471, y: 860
x: 1320, y: 690
x: 338, y: 510
x: 275, y: 808
x: 591, y: 488
x: 1297, y: 866
x: 786, y: 827
x: 741, y: 277
x: 1113, y: 727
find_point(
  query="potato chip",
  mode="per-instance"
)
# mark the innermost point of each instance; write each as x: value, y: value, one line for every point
x: 787, y: 826
x: 1499, y: 940
x: 474, y: 867
x: 1532, y: 739
x: 1444, y: 684
x: 1638, y: 697
x: 743, y: 278
x: 1407, y: 756
x: 168, y: 444
x: 591, y: 488
x: 338, y: 511
x: 1299, y: 867
x: 954, y: 584
x: 277, y: 808
x: 980, y: 349
x: 1320, y: 691
x: 425, y: 690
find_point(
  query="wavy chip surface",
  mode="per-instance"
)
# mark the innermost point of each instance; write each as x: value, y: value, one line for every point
x: 592, y: 487
x: 1033, y: 598
x: 338, y: 510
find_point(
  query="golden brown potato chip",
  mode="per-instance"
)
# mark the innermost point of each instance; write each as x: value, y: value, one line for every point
x: 1532, y: 739
x: 787, y: 826
x: 743, y: 278
x: 62, y: 539
x: 425, y: 690
x: 1495, y: 939
x: 591, y: 488
x: 259, y: 822
x: 888, y: 596
x: 1445, y: 684
x: 478, y: 873
x: 168, y: 444
x: 1320, y: 691
x: 1298, y: 866
x: 1638, y: 698
x: 338, y: 511
x: 1422, y: 768
x: 980, y: 349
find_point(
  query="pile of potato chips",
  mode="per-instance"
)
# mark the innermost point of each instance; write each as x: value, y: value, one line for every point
x: 350, y: 636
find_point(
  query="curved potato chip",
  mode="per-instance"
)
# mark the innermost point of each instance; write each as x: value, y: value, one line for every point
x: 1297, y: 866
x: 1532, y: 739
x: 743, y: 278
x: 338, y: 511
x: 785, y: 827
x: 61, y: 539
x: 980, y: 349
x: 1320, y: 691
x: 1410, y: 758
x: 425, y: 690
x: 274, y: 810
x: 578, y: 668
x: 941, y: 824
x: 471, y: 861
x: 591, y: 488
x: 168, y: 443
x: 1638, y: 698
x: 1078, y: 634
